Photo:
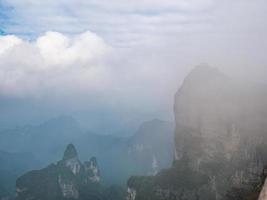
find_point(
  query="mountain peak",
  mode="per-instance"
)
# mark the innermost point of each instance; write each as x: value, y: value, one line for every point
x: 67, y: 179
x: 93, y: 161
x: 70, y: 152
x: 204, y: 72
x: 64, y: 120
x: 204, y: 81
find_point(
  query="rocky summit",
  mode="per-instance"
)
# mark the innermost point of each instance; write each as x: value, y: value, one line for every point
x: 67, y: 179
x: 70, y: 152
x: 220, y: 142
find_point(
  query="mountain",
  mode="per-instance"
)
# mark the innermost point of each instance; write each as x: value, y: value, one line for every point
x: 146, y: 152
x: 67, y: 179
x: 221, y: 123
x: 152, y: 146
x: 45, y: 141
x: 149, y: 150
x: 220, y: 140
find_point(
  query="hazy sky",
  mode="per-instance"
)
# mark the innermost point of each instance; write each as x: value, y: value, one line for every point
x: 126, y: 55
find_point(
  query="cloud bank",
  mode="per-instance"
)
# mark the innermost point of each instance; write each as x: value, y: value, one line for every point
x: 51, y: 63
x: 135, y: 54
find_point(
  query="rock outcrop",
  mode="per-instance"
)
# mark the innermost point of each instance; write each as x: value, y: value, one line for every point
x: 221, y: 125
x: 91, y: 170
x: 67, y: 179
x: 220, y: 140
x: 151, y: 148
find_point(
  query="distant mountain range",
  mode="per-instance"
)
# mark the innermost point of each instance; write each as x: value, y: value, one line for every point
x: 146, y: 152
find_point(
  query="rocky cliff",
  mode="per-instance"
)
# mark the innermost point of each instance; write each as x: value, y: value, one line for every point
x: 220, y: 139
x: 221, y: 125
x: 67, y: 179
x: 151, y: 148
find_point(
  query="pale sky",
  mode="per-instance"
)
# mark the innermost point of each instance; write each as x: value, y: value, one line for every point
x: 128, y: 55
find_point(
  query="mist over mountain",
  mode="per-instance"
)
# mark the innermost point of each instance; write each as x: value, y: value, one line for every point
x: 220, y: 141
x: 100, y: 119
x: 146, y: 152
x: 44, y: 140
x: 12, y: 166
x: 124, y: 89
x: 69, y: 178
x: 216, y: 151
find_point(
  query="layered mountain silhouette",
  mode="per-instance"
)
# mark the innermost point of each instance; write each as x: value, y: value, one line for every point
x: 146, y: 152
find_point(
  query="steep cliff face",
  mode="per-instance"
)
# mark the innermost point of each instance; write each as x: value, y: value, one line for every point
x: 221, y: 125
x: 219, y: 113
x: 176, y: 183
x: 220, y: 140
x: 151, y: 148
x: 68, y: 179
x: 91, y: 170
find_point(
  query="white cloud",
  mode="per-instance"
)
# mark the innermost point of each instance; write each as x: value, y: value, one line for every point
x: 8, y: 42
x: 57, y: 49
x: 53, y: 62
x: 163, y: 40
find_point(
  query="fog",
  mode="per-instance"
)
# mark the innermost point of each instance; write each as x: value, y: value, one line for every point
x: 136, y: 100
x: 125, y: 59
